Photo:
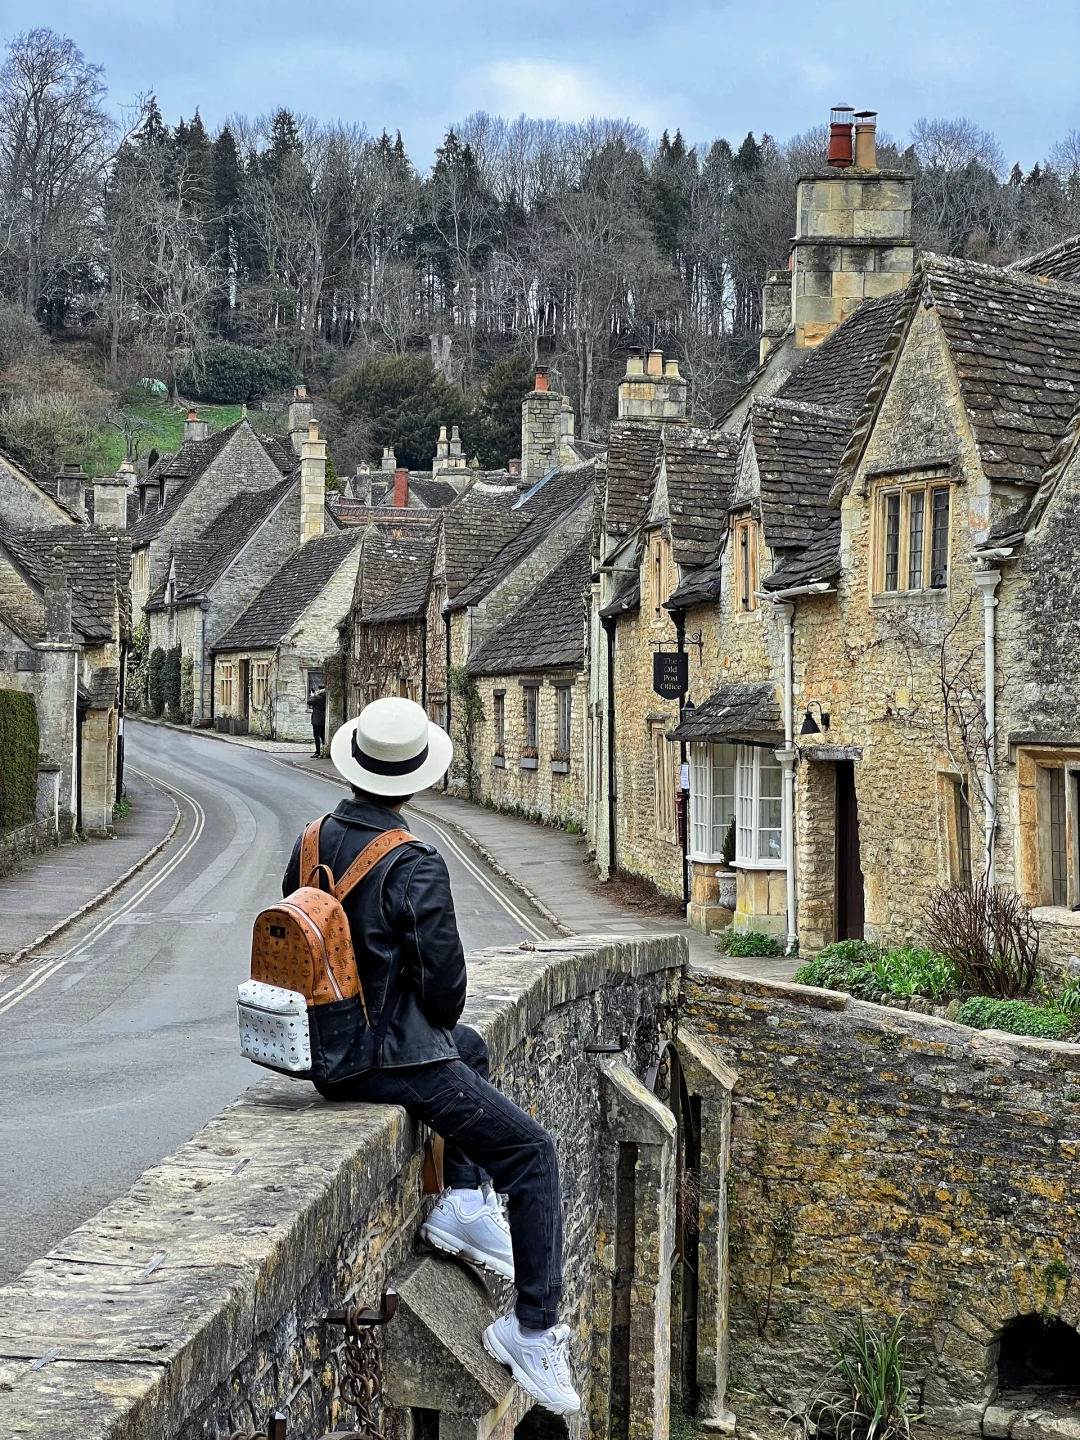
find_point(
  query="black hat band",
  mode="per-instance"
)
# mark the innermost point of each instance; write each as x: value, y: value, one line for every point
x: 387, y: 767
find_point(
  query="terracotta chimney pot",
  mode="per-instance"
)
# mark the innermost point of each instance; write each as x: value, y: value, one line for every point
x: 840, y: 137
x: 655, y: 363
x: 866, y: 140
x: 541, y: 377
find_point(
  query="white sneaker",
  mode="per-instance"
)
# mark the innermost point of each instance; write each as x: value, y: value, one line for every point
x: 471, y: 1224
x: 540, y: 1362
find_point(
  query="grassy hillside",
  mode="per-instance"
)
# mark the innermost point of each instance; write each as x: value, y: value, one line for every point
x: 164, y: 431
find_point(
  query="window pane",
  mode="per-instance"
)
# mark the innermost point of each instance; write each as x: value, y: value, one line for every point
x: 744, y: 803
x: 699, y: 799
x: 723, y: 793
x: 916, y: 528
x: 744, y: 567
x: 1058, y: 860
x: 892, y: 542
x: 770, y: 807
x: 939, y: 549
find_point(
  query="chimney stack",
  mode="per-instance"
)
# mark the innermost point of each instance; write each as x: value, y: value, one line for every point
x: 301, y: 412
x: 58, y: 601
x: 401, y: 488
x: 852, y: 232
x: 71, y: 488
x: 312, y: 485
x: 775, y: 310
x: 541, y: 429
x: 194, y: 428
x: 652, y: 389
x: 866, y: 140
x: 111, y: 496
x: 362, y: 485
x: 389, y: 459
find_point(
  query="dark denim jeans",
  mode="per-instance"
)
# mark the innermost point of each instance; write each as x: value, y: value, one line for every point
x: 487, y: 1136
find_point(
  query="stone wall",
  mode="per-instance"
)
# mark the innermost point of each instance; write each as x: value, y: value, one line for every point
x: 887, y: 1163
x: 27, y: 840
x: 284, y: 1208
x: 548, y: 786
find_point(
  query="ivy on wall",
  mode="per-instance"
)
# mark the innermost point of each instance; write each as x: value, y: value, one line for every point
x: 18, y: 758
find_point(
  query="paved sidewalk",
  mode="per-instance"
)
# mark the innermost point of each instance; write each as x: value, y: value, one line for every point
x: 554, y: 868
x: 51, y: 888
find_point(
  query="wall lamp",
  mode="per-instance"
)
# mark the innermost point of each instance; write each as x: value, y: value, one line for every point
x: 809, y: 725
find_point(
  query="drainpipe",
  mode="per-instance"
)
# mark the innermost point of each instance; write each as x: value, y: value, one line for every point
x: 988, y: 581
x: 120, y: 722
x: 679, y: 618
x: 608, y: 623
x: 786, y: 756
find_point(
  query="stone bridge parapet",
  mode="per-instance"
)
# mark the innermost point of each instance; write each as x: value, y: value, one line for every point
x: 194, y: 1306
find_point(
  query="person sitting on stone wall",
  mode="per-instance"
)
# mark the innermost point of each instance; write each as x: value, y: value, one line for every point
x: 406, y: 940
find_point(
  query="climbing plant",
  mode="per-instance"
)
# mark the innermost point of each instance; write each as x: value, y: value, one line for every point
x: 469, y: 714
x: 155, y: 682
x: 18, y: 758
x: 172, y: 683
x: 187, y: 689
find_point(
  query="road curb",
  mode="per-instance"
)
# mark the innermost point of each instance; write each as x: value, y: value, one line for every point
x: 482, y: 850
x: 110, y: 889
x: 210, y: 734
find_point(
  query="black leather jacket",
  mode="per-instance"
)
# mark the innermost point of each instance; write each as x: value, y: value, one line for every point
x: 403, y: 926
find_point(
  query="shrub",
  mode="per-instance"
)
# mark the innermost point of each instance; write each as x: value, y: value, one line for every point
x: 42, y: 431
x: 225, y: 373
x: 989, y: 934
x: 749, y: 944
x: 20, y: 336
x: 1015, y: 1017
x: 172, y: 679
x: 865, y: 1395
x: 868, y: 972
x: 187, y: 689
x: 18, y: 758
x: 136, y: 672
x: 155, y: 682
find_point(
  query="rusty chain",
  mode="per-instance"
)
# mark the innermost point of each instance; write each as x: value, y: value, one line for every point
x: 361, y: 1384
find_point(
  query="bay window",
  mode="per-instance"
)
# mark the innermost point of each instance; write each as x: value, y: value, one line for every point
x: 740, y: 782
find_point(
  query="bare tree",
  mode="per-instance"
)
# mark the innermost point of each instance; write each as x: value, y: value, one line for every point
x: 54, y: 141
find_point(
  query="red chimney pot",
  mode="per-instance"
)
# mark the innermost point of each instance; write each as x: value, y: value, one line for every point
x: 840, y: 128
x: 192, y: 415
x: 541, y: 377
x: 401, y: 489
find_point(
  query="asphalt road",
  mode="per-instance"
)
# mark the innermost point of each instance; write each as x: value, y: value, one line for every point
x: 119, y: 1040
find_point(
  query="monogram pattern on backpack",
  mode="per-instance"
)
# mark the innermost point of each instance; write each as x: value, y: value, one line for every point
x: 303, y: 1012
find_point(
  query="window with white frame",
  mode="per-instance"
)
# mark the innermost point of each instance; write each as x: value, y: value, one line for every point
x: 740, y: 781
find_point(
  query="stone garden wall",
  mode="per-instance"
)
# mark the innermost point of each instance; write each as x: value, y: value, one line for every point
x: 888, y: 1163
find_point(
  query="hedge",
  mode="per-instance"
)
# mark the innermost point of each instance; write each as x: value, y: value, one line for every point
x: 155, y: 682
x: 173, y: 675
x: 18, y: 758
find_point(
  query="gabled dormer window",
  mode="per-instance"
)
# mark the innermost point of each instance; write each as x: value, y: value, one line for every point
x: 912, y: 537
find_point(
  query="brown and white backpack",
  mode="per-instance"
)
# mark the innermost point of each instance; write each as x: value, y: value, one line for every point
x: 303, y: 1012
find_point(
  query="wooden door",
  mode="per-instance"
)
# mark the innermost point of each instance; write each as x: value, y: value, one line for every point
x: 849, y: 876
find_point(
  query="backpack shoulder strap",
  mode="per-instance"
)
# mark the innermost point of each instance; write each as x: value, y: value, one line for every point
x: 369, y: 857
x: 309, y: 853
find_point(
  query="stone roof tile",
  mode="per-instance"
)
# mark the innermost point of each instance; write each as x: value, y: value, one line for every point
x: 281, y: 602
x: 700, y: 470
x: 633, y: 460
x: 798, y: 448
x: 547, y: 632
x: 734, y: 712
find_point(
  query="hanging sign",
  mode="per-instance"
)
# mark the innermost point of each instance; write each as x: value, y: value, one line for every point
x: 670, y: 674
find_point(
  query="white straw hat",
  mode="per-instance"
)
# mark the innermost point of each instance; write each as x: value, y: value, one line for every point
x: 391, y: 749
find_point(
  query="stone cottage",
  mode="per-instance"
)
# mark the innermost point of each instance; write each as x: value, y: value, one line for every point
x: 209, y: 579
x: 65, y: 624
x: 528, y: 751
x: 269, y: 661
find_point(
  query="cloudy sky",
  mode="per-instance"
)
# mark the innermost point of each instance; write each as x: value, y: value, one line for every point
x: 709, y: 67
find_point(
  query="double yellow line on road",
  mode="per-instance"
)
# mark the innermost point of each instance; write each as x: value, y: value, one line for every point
x: 44, y: 972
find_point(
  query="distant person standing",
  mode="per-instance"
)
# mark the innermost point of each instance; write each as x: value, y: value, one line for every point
x: 317, y: 702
